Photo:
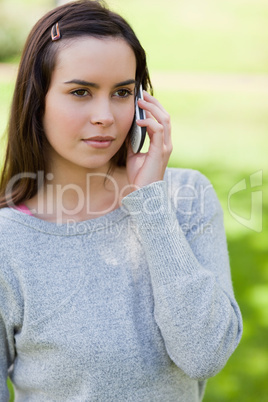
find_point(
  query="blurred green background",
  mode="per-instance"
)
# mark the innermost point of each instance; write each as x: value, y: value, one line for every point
x: 208, y: 61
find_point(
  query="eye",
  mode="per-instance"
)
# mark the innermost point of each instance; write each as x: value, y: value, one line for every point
x: 80, y: 93
x: 123, y: 93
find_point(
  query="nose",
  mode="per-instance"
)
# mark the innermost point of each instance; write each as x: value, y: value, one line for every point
x: 101, y: 113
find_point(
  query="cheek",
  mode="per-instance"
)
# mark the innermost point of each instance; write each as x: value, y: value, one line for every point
x: 58, y: 118
x: 126, y: 117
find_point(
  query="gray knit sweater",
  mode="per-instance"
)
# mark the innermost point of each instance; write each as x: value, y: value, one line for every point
x: 136, y: 305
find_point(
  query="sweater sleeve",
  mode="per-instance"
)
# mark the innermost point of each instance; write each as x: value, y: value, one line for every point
x: 3, y: 363
x: 9, y: 316
x: 187, y: 256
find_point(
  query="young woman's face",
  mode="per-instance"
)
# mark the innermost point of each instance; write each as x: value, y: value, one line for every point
x: 89, y: 107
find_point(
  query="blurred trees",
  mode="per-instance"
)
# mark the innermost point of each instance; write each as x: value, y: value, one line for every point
x: 16, y: 20
x: 11, y: 33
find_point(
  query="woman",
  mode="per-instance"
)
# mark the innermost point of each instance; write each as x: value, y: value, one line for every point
x: 114, y: 276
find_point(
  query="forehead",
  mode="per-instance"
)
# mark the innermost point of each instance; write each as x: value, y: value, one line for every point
x: 88, y: 55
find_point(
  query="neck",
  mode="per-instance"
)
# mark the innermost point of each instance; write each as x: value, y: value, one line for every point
x: 79, y: 197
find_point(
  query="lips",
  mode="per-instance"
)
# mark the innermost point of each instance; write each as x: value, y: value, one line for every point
x: 99, y: 138
x: 99, y: 141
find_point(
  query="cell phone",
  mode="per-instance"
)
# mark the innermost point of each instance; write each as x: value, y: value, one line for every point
x: 137, y: 137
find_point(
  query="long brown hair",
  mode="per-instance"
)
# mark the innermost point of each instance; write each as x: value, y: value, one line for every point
x: 27, y: 144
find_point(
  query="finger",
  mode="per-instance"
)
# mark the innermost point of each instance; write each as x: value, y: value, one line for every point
x: 156, y: 112
x: 149, y: 98
x: 164, y: 122
x: 149, y: 115
x: 155, y: 131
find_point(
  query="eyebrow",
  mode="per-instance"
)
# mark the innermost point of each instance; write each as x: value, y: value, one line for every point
x: 94, y: 85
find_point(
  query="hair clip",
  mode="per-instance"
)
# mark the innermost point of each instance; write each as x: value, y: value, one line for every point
x: 55, y: 32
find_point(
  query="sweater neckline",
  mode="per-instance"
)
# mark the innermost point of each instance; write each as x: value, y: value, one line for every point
x: 70, y: 228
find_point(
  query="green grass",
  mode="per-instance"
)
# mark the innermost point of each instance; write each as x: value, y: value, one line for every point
x: 224, y: 135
